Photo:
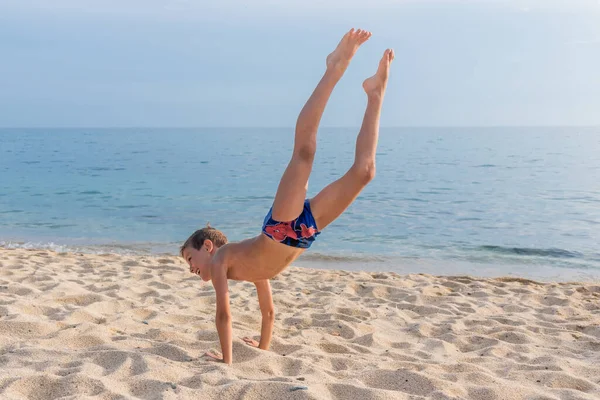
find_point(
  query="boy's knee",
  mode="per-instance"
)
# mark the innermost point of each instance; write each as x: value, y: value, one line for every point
x: 365, y: 172
x: 306, y: 152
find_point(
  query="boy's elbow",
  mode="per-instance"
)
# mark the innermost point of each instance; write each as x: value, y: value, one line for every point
x: 223, y: 316
x: 269, y: 314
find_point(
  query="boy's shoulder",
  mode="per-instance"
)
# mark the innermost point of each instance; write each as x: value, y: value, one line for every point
x: 224, y: 256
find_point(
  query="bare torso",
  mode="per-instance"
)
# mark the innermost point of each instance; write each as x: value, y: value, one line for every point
x: 256, y: 259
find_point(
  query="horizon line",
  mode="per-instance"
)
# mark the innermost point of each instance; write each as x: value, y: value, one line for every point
x: 291, y: 127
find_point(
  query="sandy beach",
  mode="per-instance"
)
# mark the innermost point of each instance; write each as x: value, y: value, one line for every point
x: 79, y: 326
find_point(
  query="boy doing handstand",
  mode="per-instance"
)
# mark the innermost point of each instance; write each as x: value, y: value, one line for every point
x: 293, y: 222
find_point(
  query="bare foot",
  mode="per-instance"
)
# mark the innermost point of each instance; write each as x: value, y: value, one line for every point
x: 343, y: 53
x: 375, y: 85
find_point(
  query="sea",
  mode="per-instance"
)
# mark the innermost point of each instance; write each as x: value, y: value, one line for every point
x: 506, y: 201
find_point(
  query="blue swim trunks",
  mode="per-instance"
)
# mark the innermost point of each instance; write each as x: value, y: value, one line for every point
x: 300, y: 232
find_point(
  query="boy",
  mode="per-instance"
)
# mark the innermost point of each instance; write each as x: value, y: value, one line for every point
x: 293, y: 222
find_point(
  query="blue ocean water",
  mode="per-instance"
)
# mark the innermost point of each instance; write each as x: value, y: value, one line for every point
x: 480, y: 201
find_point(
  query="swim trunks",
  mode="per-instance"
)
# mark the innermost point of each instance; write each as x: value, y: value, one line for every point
x: 300, y: 232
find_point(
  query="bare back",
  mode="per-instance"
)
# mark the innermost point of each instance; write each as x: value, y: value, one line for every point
x: 256, y: 259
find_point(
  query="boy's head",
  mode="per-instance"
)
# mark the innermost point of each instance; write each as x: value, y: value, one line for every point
x: 199, y: 248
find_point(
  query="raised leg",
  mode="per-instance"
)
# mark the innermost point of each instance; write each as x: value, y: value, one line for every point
x: 289, y: 200
x: 331, y: 202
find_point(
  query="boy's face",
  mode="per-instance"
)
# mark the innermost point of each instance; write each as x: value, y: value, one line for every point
x: 199, y: 260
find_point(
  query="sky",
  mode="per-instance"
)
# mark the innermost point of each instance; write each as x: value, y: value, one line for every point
x: 183, y: 63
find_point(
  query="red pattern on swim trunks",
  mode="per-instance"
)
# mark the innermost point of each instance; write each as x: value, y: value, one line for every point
x: 280, y: 231
x: 307, y: 232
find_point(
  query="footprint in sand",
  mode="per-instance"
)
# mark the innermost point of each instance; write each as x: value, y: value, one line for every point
x: 342, y: 391
x: 85, y: 342
x: 113, y: 361
x: 365, y: 340
x: 355, y: 313
x: 401, y: 381
x: 207, y: 335
x: 16, y: 289
x: 560, y: 380
x: 80, y: 300
x: 512, y: 337
x: 475, y: 343
x: 47, y: 387
x: 67, y: 371
x: 193, y: 382
x: 26, y: 330
x: 72, y: 364
x: 339, y: 363
x: 284, y: 367
x: 283, y: 348
x: 485, y: 393
x: 334, y: 326
x: 170, y: 352
x: 334, y: 348
x: 144, y: 314
x: 508, y: 321
x: 150, y: 389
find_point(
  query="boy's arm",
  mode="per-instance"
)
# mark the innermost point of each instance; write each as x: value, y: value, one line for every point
x: 223, y: 317
x: 265, y: 301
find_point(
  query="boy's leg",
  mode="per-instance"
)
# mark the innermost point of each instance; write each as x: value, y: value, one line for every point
x: 335, y: 198
x: 289, y: 200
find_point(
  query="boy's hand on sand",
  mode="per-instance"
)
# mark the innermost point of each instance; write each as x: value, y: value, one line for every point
x: 250, y: 342
x: 215, y: 355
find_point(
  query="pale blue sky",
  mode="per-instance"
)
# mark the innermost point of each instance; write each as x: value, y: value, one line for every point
x: 239, y: 63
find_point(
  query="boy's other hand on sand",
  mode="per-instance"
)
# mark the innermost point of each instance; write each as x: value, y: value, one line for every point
x: 250, y: 342
x: 214, y: 355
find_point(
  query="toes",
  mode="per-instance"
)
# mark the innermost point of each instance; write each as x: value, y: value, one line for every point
x: 364, y: 36
x: 348, y: 35
x: 358, y: 35
x: 361, y: 35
